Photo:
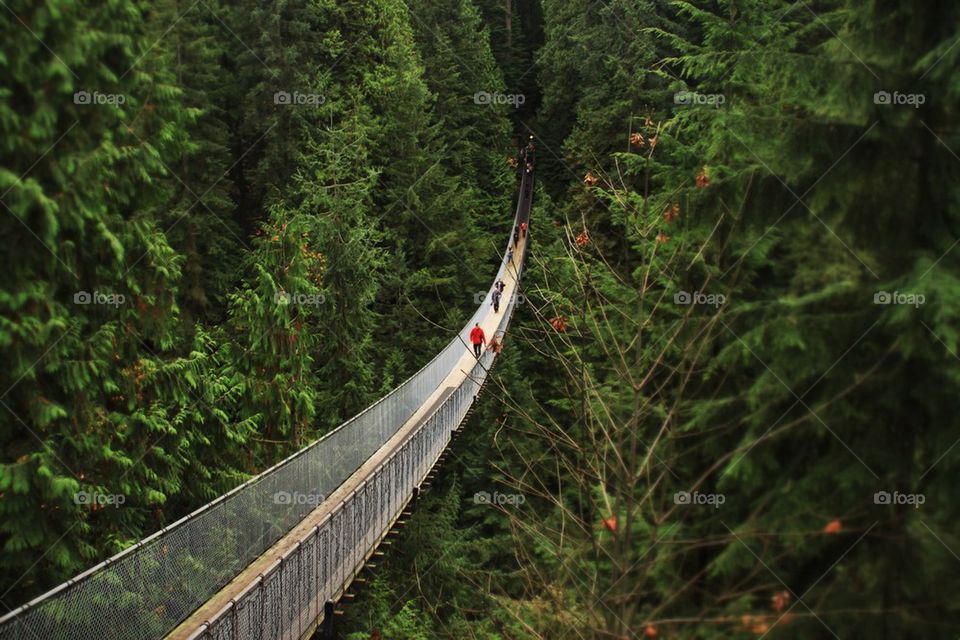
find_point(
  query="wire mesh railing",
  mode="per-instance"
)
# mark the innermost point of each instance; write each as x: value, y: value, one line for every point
x: 148, y: 589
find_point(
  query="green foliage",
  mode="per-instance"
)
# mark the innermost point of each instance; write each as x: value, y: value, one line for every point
x: 284, y: 262
x: 260, y: 247
x: 89, y: 314
x: 797, y: 199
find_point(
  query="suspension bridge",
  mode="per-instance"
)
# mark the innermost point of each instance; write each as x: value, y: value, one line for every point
x: 271, y: 559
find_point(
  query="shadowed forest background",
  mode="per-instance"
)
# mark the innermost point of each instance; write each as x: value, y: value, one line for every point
x: 728, y: 405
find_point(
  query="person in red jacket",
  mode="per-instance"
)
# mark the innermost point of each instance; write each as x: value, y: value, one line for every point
x: 477, y: 338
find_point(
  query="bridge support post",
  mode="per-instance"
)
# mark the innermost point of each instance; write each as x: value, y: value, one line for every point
x: 326, y: 630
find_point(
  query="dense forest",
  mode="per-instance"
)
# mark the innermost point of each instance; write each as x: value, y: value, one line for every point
x: 728, y: 406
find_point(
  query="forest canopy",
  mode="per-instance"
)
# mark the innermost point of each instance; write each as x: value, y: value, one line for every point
x: 728, y: 404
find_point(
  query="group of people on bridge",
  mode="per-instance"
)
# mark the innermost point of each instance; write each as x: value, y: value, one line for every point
x: 477, y: 337
x: 526, y: 154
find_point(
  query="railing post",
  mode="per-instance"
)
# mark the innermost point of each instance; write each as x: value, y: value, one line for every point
x: 326, y: 631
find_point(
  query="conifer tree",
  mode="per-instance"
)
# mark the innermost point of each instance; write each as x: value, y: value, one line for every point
x: 198, y: 220
x: 769, y: 399
x: 89, y: 307
x: 337, y: 181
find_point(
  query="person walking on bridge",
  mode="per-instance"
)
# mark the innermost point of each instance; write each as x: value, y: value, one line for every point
x: 477, y: 338
x: 516, y: 234
x: 496, y: 300
x: 523, y: 229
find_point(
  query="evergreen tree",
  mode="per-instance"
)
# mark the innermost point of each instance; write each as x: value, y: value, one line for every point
x: 443, y: 221
x: 337, y: 182
x: 89, y: 311
x: 198, y: 220
x: 770, y: 398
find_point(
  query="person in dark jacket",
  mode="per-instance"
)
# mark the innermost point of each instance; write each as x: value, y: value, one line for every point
x: 496, y: 300
x: 477, y: 338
